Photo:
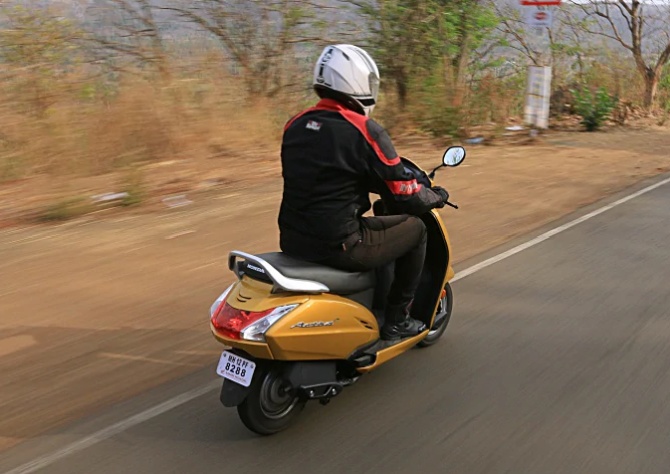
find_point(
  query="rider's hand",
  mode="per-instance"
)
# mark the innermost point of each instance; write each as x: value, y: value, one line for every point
x: 442, y: 193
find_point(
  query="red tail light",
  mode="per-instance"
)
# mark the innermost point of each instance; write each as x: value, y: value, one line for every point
x: 229, y: 321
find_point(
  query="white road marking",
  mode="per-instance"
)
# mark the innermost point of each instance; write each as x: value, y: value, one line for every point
x: 123, y: 425
x: 551, y: 233
x: 112, y: 430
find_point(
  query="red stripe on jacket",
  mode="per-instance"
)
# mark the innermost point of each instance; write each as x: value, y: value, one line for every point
x: 355, y: 119
x: 404, y: 188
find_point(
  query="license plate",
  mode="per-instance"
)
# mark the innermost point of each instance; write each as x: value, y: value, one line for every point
x: 236, y: 368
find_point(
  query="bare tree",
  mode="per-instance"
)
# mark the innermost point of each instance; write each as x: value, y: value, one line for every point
x: 128, y: 30
x: 640, y: 27
x: 260, y: 36
x: 564, y: 45
x: 513, y: 29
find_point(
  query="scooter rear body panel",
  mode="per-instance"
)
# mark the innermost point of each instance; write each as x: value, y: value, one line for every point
x: 321, y: 327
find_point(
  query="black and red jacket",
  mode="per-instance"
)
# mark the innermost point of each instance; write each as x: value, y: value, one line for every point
x: 332, y: 159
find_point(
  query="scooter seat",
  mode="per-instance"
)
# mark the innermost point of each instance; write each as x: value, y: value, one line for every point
x: 339, y: 282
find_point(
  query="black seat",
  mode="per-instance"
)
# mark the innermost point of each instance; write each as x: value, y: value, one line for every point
x: 338, y: 281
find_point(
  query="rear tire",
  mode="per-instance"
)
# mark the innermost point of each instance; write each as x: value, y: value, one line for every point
x: 446, y: 305
x: 268, y: 409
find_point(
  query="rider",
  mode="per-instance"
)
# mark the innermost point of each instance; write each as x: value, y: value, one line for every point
x: 333, y: 155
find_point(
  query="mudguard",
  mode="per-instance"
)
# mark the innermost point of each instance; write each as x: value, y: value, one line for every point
x: 233, y: 394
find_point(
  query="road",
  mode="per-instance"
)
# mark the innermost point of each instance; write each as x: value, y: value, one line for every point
x: 556, y: 361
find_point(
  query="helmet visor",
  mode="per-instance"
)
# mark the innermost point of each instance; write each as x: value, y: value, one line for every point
x: 374, y: 85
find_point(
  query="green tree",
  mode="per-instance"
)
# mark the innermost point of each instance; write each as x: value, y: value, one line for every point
x: 413, y: 37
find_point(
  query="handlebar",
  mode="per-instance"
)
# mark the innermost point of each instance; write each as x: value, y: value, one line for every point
x: 420, y: 176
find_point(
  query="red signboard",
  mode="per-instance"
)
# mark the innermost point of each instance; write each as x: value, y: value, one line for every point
x: 541, y: 3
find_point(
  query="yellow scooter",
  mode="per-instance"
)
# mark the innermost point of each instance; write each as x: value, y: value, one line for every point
x: 299, y: 331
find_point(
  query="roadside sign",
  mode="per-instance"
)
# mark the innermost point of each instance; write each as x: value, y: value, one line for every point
x: 539, y: 17
x: 537, y: 96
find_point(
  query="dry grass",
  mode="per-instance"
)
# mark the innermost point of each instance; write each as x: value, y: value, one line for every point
x: 92, y: 128
x: 63, y: 118
x: 82, y: 123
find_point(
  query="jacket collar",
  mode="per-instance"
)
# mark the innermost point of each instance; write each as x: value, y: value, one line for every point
x: 333, y: 105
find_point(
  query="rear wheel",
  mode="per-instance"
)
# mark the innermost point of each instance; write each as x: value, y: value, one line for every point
x: 442, y: 318
x: 271, y: 405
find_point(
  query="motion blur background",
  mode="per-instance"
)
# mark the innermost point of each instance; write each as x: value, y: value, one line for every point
x: 139, y: 144
x: 93, y: 86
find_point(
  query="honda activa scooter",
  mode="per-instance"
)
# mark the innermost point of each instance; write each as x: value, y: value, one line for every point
x: 299, y: 331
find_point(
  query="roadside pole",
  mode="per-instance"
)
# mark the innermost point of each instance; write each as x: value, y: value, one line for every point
x: 539, y: 15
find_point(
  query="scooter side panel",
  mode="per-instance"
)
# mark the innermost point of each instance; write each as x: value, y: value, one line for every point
x: 447, y: 241
x: 442, y: 268
x: 450, y: 274
x: 324, y: 328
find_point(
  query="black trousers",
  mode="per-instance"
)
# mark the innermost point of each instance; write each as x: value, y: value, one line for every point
x: 384, y: 239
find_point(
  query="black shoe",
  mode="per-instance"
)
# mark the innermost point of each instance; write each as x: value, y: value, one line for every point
x: 408, y: 328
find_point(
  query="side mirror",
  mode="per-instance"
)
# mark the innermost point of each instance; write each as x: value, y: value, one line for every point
x: 454, y: 156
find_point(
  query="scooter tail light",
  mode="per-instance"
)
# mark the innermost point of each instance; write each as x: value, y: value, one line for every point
x: 238, y: 324
x: 216, y: 306
x: 256, y: 331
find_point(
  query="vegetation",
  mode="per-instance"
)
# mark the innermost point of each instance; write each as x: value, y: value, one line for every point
x: 112, y: 84
x: 593, y: 108
x: 64, y: 209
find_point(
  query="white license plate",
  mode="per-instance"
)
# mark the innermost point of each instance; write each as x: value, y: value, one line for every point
x: 236, y: 368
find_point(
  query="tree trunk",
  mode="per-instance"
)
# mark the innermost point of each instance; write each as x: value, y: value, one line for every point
x: 460, y: 69
x: 398, y: 75
x: 580, y: 64
x: 401, y: 89
x: 650, y: 88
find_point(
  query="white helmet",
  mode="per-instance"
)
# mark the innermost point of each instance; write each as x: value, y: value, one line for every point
x: 350, y: 73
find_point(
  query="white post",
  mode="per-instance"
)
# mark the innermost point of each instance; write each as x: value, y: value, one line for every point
x: 536, y: 113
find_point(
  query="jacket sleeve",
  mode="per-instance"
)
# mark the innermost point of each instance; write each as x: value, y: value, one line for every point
x: 400, y: 186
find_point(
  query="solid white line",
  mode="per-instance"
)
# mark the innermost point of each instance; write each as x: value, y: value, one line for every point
x: 113, y: 430
x: 551, y: 233
x: 186, y: 397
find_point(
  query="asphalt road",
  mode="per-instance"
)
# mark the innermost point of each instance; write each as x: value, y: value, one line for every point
x: 557, y: 360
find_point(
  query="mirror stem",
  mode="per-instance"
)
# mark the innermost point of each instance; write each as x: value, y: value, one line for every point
x: 432, y: 173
